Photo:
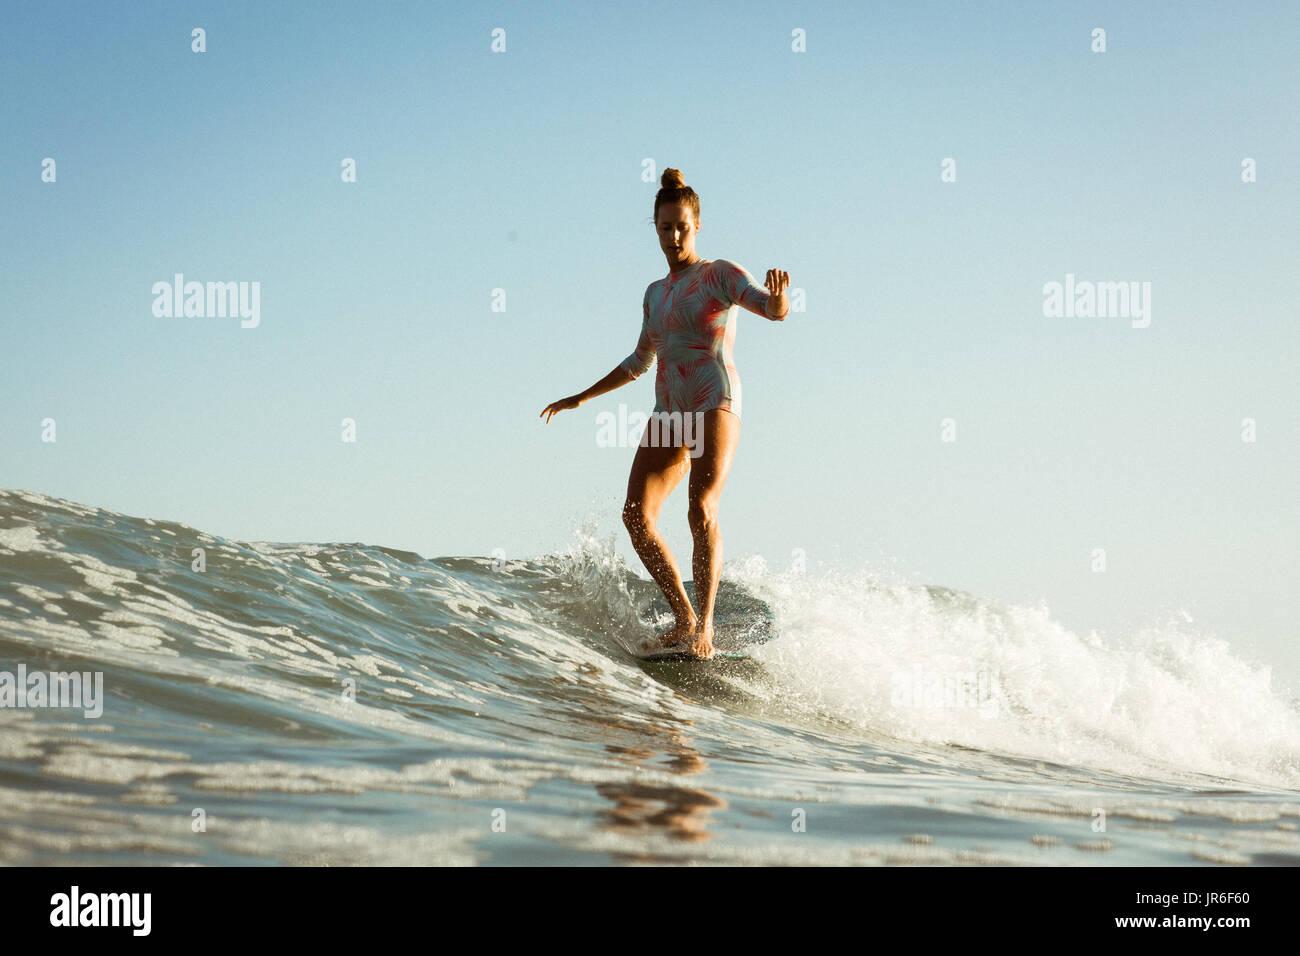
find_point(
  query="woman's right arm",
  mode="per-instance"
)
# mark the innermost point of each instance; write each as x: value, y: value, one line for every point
x: 615, y: 379
x: 626, y: 371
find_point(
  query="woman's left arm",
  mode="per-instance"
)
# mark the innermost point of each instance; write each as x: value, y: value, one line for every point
x: 739, y: 286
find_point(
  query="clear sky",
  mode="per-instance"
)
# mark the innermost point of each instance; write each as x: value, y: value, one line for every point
x: 522, y: 171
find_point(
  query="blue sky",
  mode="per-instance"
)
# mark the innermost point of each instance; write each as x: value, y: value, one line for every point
x: 522, y: 171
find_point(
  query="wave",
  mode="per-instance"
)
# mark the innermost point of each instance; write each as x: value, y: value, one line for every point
x: 309, y: 641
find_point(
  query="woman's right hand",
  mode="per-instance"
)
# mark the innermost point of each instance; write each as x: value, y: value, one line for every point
x: 550, y: 410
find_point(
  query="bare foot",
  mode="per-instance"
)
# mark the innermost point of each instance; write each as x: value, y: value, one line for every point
x: 678, y: 634
x: 696, y: 641
x: 701, y: 641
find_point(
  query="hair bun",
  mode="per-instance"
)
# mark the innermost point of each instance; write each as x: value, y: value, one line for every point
x: 672, y: 179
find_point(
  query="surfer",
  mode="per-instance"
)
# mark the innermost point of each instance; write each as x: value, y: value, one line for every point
x: 689, y: 325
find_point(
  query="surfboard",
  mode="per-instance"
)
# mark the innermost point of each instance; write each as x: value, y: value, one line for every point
x: 740, y: 621
x: 670, y: 655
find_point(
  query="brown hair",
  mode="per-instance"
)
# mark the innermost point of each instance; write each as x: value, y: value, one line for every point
x: 674, y: 191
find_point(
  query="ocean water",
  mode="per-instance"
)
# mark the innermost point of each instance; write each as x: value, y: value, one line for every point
x: 352, y: 704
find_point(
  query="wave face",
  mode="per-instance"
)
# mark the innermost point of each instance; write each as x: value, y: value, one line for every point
x: 348, y: 703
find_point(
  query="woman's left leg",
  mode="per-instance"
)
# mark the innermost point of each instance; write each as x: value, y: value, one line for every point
x: 721, y: 432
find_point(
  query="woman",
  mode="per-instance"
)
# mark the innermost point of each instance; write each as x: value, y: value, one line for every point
x: 689, y: 324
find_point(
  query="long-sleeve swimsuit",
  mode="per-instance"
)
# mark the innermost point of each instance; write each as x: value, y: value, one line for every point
x: 689, y: 325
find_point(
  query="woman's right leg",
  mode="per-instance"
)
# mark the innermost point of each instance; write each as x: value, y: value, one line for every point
x: 656, y: 470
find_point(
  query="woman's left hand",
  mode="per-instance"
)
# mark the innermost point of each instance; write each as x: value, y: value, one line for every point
x: 777, y: 282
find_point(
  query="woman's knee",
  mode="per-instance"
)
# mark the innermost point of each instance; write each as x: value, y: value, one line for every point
x: 702, y: 513
x: 636, y: 517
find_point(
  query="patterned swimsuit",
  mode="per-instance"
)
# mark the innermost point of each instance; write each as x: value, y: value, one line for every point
x: 689, y: 324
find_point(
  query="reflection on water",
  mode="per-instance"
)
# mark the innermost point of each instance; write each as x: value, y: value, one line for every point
x: 682, y: 812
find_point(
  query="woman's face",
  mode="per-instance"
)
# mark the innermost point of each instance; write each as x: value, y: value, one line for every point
x: 677, y: 228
